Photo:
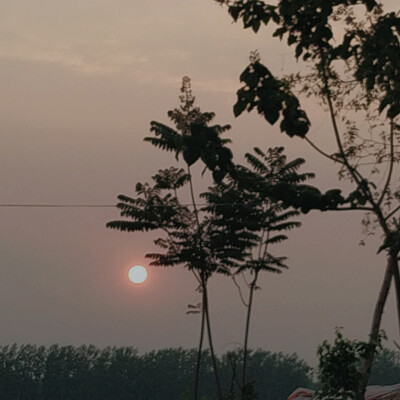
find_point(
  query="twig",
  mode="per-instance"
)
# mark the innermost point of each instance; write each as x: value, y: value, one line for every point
x: 315, y: 147
x: 389, y: 177
x: 392, y: 213
x: 240, y: 291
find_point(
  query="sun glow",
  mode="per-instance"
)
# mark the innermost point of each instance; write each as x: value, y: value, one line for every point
x: 137, y: 274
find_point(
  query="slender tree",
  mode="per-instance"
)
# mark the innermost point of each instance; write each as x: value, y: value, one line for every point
x: 243, y: 205
x: 352, y: 49
x: 230, y: 233
x: 158, y: 208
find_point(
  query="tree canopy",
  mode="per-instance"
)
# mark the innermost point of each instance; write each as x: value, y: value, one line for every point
x: 350, y: 51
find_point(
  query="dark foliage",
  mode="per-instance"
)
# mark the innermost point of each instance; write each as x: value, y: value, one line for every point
x: 245, y: 215
x: 339, y: 367
x: 193, y: 138
x: 89, y: 373
x: 352, y: 49
x: 30, y: 372
x: 308, y: 26
x: 386, y: 368
x: 271, y: 98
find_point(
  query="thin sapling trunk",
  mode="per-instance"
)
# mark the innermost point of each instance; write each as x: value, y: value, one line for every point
x: 210, y: 340
x: 247, y: 331
x: 376, y: 322
x: 199, y: 351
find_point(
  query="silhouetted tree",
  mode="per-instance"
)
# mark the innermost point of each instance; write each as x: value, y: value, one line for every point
x: 30, y: 372
x: 242, y: 206
x: 352, y: 49
x: 119, y: 373
x: 277, y: 375
x: 232, y: 232
x: 339, y: 367
x: 158, y: 208
x: 386, y: 368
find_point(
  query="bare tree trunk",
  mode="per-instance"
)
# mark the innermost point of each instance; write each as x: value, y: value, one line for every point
x: 396, y: 279
x: 213, y: 358
x: 232, y: 360
x: 200, y: 349
x: 205, y: 313
x: 246, y: 334
x: 376, y: 323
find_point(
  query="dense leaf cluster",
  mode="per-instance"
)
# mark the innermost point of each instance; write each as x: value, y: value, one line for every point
x: 272, y: 98
x: 372, y: 51
x: 378, y: 58
x: 157, y: 208
x: 245, y: 208
x: 246, y: 215
x: 339, y: 366
x: 200, y: 142
x: 237, y: 213
x: 193, y: 137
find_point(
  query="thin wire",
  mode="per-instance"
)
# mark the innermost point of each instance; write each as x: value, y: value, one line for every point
x: 12, y: 205
x: 57, y: 205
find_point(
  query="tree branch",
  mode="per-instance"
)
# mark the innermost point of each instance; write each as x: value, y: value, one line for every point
x: 389, y: 177
x: 240, y: 291
x: 315, y: 147
x: 354, y: 209
x: 197, y: 277
x: 358, y: 178
x: 392, y: 213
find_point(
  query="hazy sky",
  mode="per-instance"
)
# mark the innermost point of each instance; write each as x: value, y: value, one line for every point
x: 80, y: 81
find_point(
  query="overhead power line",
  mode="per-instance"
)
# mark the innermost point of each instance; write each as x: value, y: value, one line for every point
x: 57, y: 205
x: 27, y: 205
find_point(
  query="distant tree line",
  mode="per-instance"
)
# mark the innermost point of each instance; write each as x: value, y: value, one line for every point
x: 31, y: 372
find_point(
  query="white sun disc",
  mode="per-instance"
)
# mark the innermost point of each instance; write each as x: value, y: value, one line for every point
x: 137, y: 274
